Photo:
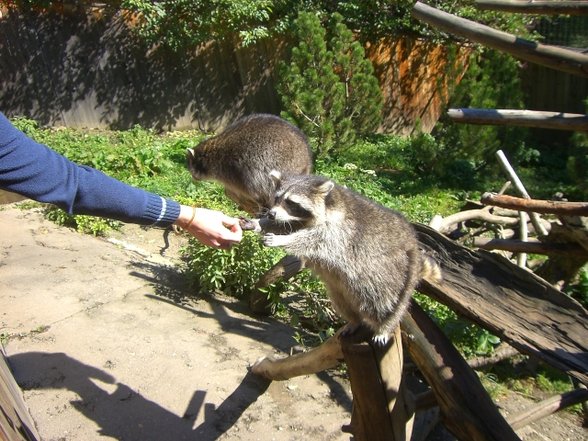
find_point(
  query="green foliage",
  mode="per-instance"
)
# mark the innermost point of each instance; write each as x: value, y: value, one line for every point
x: 579, y: 289
x: 95, y: 226
x: 329, y: 88
x: 470, y: 339
x: 577, y: 162
x: 233, y: 271
x: 179, y: 24
x: 472, y: 145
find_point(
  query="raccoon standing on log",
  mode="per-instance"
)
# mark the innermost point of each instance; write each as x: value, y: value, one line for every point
x: 242, y: 157
x: 367, y: 255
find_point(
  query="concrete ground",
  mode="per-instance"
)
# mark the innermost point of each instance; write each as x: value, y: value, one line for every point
x: 106, y: 343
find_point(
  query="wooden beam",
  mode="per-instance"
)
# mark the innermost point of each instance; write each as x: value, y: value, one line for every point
x: 551, y: 56
x: 521, y: 118
x: 544, y: 7
x: 560, y: 208
x: 466, y: 409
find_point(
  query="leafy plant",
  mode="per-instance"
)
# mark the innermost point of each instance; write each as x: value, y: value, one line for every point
x: 95, y: 226
x: 233, y: 271
x: 179, y: 24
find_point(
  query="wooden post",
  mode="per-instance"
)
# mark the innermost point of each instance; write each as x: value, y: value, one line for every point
x: 382, y: 409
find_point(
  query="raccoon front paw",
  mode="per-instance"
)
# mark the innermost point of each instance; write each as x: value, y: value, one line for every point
x: 381, y: 339
x: 275, y: 240
x: 269, y: 240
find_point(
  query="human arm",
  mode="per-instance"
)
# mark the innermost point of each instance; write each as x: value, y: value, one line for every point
x: 37, y: 172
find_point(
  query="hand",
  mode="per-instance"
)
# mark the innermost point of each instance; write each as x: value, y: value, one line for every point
x: 212, y: 228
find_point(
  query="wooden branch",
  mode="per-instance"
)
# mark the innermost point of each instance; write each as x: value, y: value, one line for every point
x: 547, y: 407
x: 543, y: 7
x: 521, y: 118
x: 512, y: 303
x: 521, y: 189
x: 443, y: 225
x: 455, y: 384
x: 530, y: 246
x: 503, y: 352
x: 560, y: 208
x: 556, y: 58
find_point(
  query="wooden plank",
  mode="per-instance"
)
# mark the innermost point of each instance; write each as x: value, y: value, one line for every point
x: 520, y: 118
x: 543, y: 7
x: 16, y: 424
x: 550, y: 56
x: 511, y: 302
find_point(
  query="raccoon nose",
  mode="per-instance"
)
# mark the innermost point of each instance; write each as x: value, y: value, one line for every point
x: 271, y: 214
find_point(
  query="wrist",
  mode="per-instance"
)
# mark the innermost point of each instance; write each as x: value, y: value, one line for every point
x: 186, y: 217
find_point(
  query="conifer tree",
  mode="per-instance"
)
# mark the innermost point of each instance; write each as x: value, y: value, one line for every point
x: 328, y: 87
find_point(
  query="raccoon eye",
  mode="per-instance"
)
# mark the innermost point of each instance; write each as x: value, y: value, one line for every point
x: 296, y: 209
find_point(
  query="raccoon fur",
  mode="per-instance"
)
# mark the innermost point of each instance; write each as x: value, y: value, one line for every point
x: 367, y: 255
x: 242, y: 157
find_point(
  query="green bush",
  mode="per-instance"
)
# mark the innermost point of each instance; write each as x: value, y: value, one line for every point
x: 328, y: 88
x: 233, y: 271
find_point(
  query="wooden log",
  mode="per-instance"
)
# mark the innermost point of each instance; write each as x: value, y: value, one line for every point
x: 554, y: 57
x: 444, y: 225
x: 520, y: 118
x: 381, y: 409
x: 559, y: 208
x: 547, y: 407
x: 543, y: 7
x: 455, y: 384
x: 514, y: 304
x: 531, y: 246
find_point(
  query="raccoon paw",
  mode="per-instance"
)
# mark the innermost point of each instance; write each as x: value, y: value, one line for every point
x: 381, y: 339
x: 269, y: 240
x: 275, y: 240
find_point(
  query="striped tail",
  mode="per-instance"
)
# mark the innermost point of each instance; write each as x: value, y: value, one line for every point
x: 430, y: 269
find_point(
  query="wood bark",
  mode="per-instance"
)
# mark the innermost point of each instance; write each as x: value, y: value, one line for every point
x: 286, y: 268
x: 519, y: 307
x: 520, y: 118
x: 455, y: 384
x: 544, y: 7
x: 536, y: 205
x: 556, y: 58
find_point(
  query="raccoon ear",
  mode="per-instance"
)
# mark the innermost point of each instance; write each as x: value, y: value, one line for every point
x: 325, y: 188
x: 276, y: 176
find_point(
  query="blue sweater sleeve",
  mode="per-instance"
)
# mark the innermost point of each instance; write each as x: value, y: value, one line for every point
x: 37, y: 172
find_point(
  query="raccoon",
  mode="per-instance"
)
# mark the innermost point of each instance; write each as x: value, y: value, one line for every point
x: 366, y: 254
x: 242, y: 157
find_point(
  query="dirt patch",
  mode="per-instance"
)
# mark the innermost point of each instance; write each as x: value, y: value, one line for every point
x: 107, y: 343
